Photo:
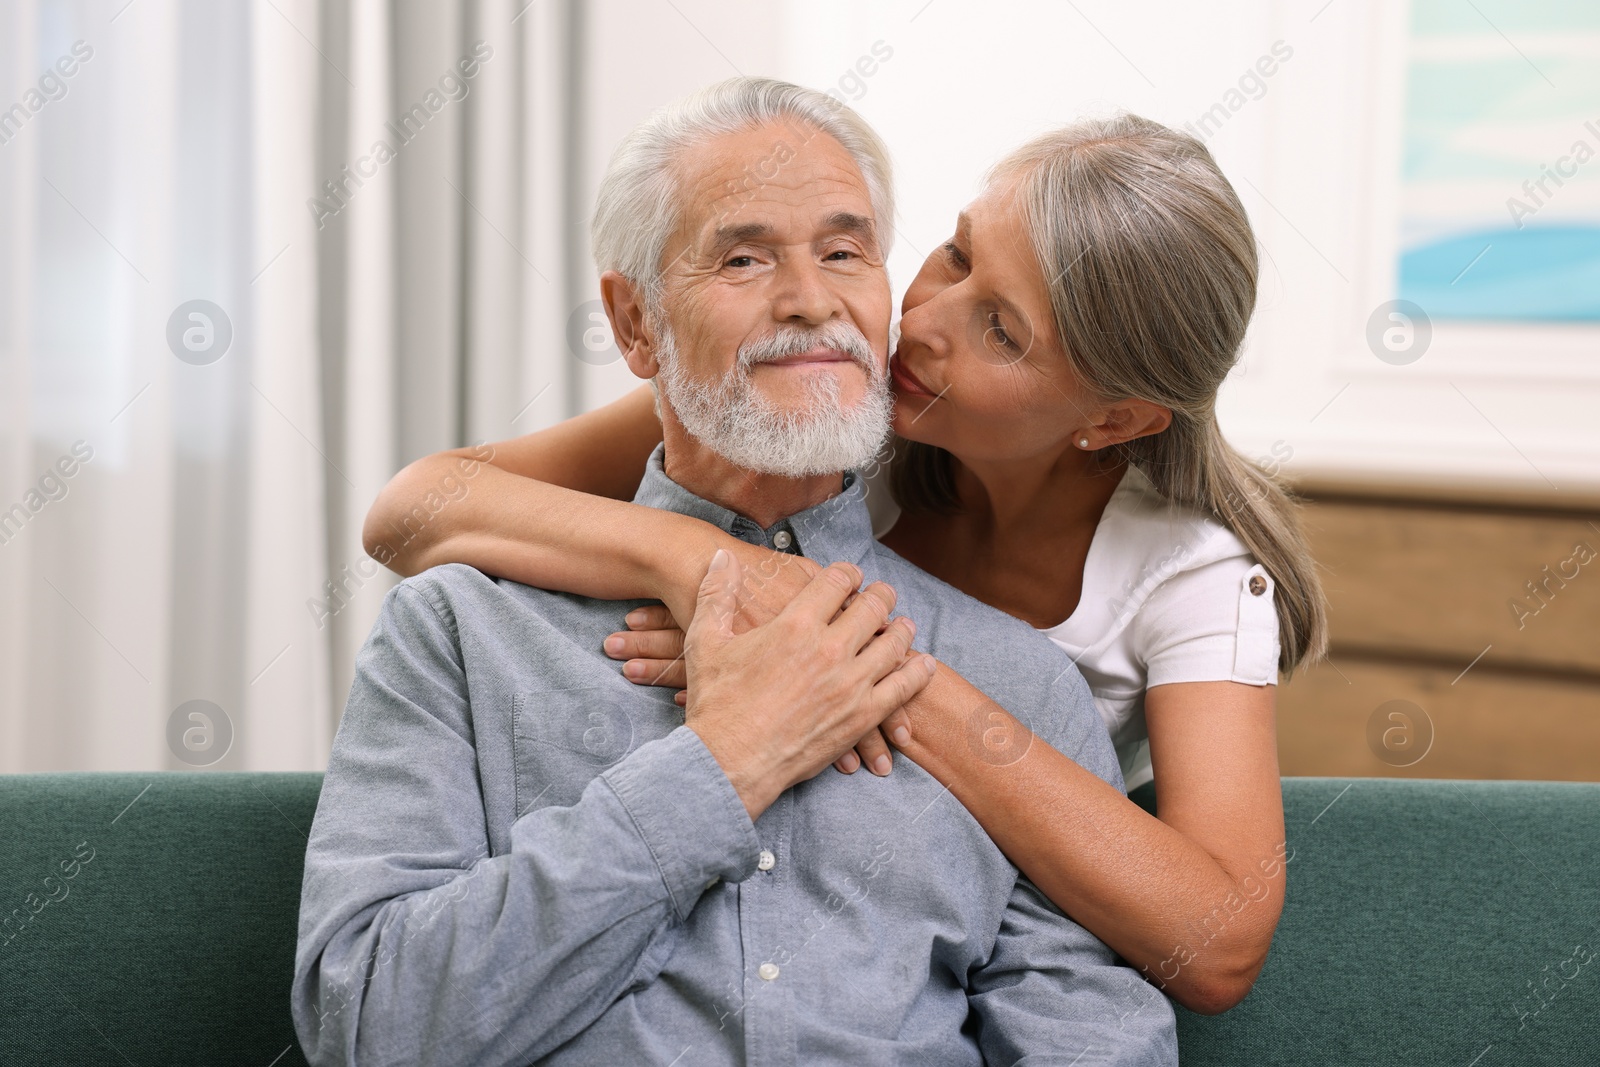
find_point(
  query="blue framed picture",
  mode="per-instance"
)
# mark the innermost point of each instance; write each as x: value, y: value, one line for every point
x: 1500, y: 199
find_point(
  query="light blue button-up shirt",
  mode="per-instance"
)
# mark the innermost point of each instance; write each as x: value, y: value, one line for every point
x: 519, y: 856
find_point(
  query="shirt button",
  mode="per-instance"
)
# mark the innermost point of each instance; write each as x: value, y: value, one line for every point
x: 1258, y: 585
x: 766, y: 861
x: 783, y: 539
x: 768, y: 971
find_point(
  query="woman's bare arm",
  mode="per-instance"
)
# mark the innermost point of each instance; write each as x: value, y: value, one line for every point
x: 551, y: 509
x: 1190, y: 898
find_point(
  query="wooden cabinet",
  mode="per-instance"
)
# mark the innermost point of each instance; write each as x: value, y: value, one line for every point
x: 1465, y: 638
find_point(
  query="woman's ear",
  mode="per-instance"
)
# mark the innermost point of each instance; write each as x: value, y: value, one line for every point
x: 1131, y: 418
x: 625, y: 310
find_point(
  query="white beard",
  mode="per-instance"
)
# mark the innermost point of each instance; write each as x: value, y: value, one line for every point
x: 733, y: 419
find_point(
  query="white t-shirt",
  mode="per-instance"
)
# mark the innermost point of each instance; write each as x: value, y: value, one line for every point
x: 1167, y: 597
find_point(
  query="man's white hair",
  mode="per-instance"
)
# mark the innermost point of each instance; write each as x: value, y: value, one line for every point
x: 639, y: 205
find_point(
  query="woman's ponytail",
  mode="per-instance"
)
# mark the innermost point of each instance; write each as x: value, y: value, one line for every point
x: 1190, y: 463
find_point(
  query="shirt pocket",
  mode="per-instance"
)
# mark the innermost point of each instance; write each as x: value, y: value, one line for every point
x: 562, y: 739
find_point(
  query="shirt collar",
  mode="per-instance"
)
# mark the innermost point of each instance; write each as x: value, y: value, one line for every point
x: 838, y: 528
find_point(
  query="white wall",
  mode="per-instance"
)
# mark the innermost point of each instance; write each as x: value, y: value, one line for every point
x: 642, y: 55
x: 1313, y: 153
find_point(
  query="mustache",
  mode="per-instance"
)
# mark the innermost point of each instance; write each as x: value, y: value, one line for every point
x: 795, y: 340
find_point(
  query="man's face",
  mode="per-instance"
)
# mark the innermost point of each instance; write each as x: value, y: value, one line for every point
x: 776, y: 304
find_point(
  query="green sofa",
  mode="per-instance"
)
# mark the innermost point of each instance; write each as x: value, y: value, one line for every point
x: 152, y: 922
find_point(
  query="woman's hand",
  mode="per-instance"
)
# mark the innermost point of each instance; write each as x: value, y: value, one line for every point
x: 652, y: 647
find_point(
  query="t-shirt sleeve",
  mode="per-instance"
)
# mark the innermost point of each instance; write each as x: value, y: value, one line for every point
x: 1214, y: 623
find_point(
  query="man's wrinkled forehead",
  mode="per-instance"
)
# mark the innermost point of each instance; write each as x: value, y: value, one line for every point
x: 773, y: 183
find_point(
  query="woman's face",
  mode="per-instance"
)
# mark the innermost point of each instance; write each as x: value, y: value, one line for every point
x: 978, y: 370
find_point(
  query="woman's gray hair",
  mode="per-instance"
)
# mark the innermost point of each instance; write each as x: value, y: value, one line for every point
x: 638, y: 205
x: 1152, y: 270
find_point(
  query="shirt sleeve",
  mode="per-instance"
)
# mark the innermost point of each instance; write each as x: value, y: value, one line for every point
x: 1052, y: 993
x: 415, y: 945
x: 1213, y: 623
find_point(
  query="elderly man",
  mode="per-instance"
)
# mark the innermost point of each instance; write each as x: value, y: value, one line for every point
x: 520, y: 856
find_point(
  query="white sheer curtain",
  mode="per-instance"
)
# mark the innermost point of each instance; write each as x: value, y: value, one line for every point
x: 172, y: 514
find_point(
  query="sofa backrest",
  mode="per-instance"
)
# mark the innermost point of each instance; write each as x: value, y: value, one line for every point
x: 153, y: 918
x: 1427, y: 922
x: 171, y: 936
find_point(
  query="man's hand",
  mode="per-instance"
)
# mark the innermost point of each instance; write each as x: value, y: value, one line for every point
x: 777, y: 704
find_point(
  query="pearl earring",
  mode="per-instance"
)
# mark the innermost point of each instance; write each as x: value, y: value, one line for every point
x: 1083, y: 442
